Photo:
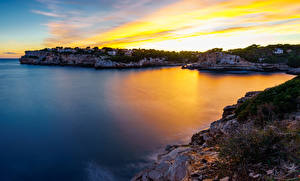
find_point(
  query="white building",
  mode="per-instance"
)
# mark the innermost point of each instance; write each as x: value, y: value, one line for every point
x: 261, y: 59
x: 128, y: 52
x: 69, y: 50
x: 278, y: 51
x: 112, y: 53
x: 66, y: 50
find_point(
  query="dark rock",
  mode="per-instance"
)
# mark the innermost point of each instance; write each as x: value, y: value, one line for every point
x: 252, y: 93
x: 248, y: 96
x: 170, y: 147
x: 225, y: 179
x: 199, y: 138
x: 195, y: 175
x: 228, y: 110
x: 294, y: 71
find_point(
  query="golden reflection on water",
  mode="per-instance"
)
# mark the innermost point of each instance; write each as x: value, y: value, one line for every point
x: 172, y: 103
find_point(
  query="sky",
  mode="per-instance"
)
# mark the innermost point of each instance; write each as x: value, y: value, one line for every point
x: 160, y: 24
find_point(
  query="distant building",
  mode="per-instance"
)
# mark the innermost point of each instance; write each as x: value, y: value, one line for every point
x: 112, y: 53
x: 278, y: 51
x: 65, y: 50
x: 69, y: 50
x: 128, y: 52
x: 261, y: 59
x: 60, y: 50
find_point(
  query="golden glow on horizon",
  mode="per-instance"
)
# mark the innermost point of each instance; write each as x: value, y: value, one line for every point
x: 13, y: 49
x: 195, y: 25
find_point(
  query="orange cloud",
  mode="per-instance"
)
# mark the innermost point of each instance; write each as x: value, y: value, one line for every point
x: 189, y: 18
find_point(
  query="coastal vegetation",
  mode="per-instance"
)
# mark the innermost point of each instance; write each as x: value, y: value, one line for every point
x: 284, y: 58
x: 269, y: 150
x: 273, y: 142
x: 138, y: 54
x: 272, y: 103
x: 129, y: 55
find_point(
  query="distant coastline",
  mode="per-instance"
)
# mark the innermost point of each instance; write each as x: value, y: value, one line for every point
x: 101, y: 58
x: 272, y: 58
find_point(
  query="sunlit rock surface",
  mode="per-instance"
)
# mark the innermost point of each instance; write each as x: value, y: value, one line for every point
x: 219, y: 61
x: 87, y: 60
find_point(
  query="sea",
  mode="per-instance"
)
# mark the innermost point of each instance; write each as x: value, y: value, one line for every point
x: 81, y: 124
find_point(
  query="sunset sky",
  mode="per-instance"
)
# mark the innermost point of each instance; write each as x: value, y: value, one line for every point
x: 160, y: 24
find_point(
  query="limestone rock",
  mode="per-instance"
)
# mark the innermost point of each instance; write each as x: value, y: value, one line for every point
x: 228, y: 110
x: 220, y: 61
x: 225, y: 179
x: 85, y: 59
x: 294, y: 71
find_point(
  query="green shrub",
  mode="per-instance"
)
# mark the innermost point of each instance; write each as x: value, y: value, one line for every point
x: 253, y: 147
x: 123, y: 59
x: 31, y: 56
x: 243, y: 151
x: 269, y: 147
x: 294, y: 61
x: 282, y: 99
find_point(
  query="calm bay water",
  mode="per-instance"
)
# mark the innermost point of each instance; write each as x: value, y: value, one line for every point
x: 67, y: 123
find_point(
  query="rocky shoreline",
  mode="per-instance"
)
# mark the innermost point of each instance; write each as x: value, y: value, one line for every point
x: 114, y: 58
x: 199, y: 160
x: 255, y: 68
x: 219, y: 61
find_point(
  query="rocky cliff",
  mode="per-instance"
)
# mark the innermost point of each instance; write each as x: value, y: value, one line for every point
x: 86, y: 60
x: 123, y: 58
x: 240, y: 149
x: 219, y: 61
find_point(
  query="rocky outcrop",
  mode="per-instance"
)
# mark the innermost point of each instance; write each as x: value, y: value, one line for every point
x: 216, y: 61
x: 181, y: 163
x: 211, y: 58
x: 105, y: 62
x: 87, y: 60
x: 219, y: 61
x: 294, y: 71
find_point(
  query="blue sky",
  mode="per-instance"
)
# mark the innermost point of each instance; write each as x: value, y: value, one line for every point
x: 17, y: 21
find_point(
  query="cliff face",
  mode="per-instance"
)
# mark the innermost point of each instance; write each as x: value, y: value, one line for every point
x: 264, y: 146
x: 86, y: 60
x: 221, y: 58
x: 220, y: 61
